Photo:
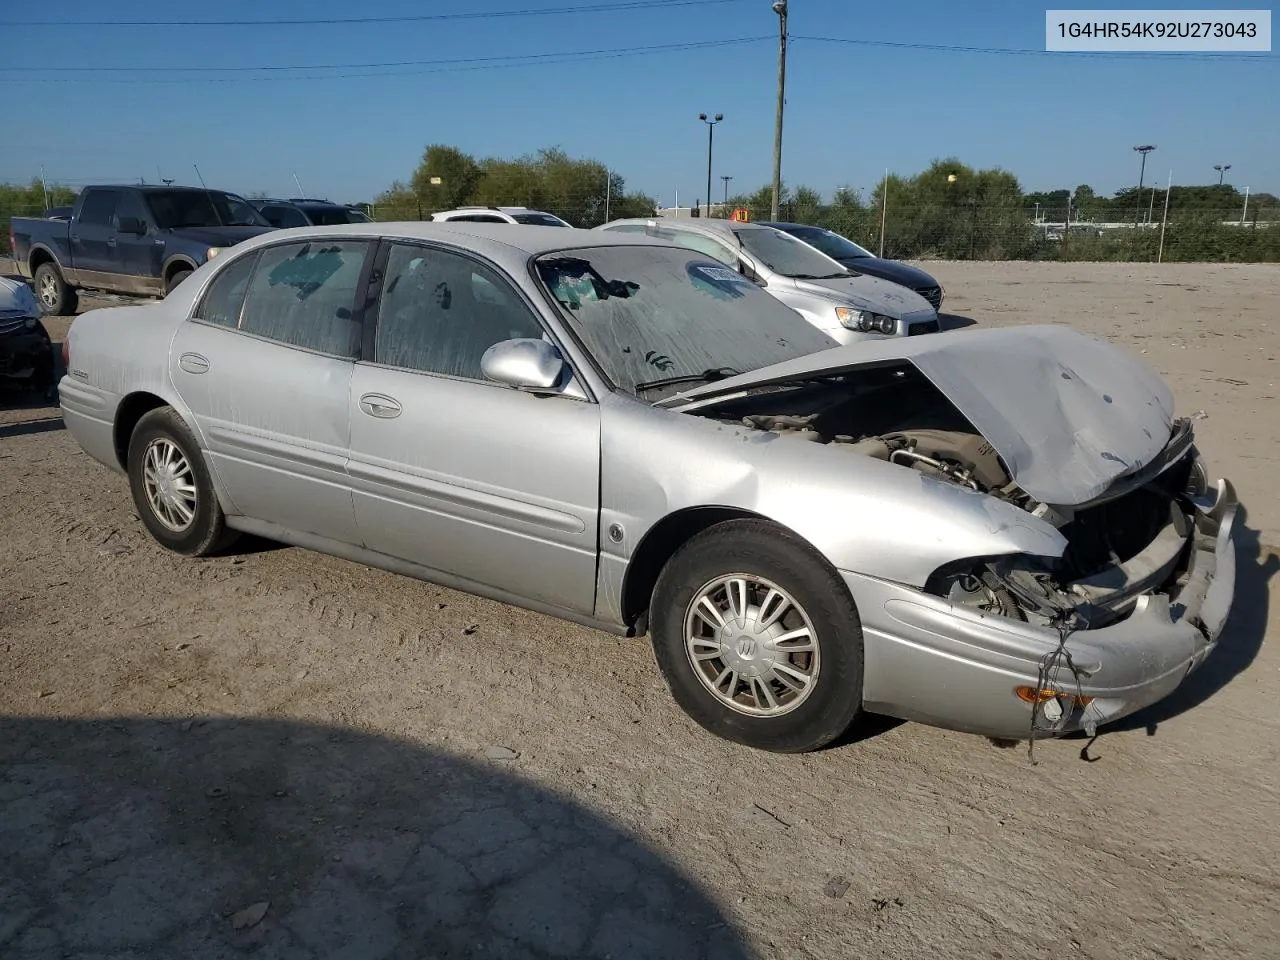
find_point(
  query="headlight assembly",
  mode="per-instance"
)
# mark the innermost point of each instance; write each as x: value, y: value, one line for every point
x: 864, y: 321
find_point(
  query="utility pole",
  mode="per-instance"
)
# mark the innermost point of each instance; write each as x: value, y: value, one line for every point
x: 884, y: 208
x: 726, y: 188
x: 608, y: 189
x: 711, y: 129
x: 1164, y: 219
x: 45, y: 185
x: 780, y: 8
x: 1245, y: 212
x: 1222, y: 168
x: 1144, y: 149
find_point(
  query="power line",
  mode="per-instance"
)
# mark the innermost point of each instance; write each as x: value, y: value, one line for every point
x: 620, y: 5
x: 434, y: 66
x: 1032, y: 51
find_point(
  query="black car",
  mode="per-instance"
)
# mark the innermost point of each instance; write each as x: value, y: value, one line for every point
x: 27, y: 360
x: 853, y: 257
x: 302, y: 212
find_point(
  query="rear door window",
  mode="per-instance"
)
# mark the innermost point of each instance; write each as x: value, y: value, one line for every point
x: 221, y: 303
x: 304, y: 294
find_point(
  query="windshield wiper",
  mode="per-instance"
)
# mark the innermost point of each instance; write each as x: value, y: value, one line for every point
x: 814, y: 276
x: 706, y: 376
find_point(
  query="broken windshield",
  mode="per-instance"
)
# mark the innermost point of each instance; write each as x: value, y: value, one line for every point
x: 662, y: 314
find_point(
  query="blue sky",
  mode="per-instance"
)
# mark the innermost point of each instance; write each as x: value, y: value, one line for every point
x: 852, y: 110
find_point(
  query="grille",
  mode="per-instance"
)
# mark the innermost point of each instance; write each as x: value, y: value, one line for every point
x: 13, y: 326
x: 933, y: 295
x: 929, y: 326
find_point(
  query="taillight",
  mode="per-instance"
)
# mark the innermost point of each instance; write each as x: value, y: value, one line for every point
x: 66, y: 352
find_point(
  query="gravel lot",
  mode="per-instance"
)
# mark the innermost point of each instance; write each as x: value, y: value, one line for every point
x: 279, y: 754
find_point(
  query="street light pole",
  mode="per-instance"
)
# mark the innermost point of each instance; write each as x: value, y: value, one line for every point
x: 726, y: 180
x: 711, y: 129
x: 1222, y: 168
x: 780, y: 8
x: 1144, y: 149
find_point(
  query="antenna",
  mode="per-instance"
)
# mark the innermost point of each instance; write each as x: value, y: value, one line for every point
x: 208, y: 194
x: 298, y: 183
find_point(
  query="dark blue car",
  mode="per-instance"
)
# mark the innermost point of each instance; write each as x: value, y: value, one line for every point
x: 860, y: 260
x: 133, y: 240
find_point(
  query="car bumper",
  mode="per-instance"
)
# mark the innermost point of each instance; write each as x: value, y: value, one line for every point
x: 88, y: 414
x: 26, y: 356
x: 950, y: 666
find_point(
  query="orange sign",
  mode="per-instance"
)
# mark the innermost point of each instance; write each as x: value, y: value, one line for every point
x: 742, y: 215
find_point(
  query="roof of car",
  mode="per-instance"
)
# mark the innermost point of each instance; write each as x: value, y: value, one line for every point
x: 700, y: 224
x: 496, y: 240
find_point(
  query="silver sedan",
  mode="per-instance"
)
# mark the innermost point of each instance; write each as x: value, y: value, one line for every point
x: 1006, y: 532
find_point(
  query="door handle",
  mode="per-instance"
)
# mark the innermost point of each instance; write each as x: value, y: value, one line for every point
x: 75, y: 237
x: 193, y: 363
x: 380, y: 405
x: 111, y: 241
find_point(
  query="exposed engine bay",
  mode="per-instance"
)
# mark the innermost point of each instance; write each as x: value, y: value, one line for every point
x: 1136, y: 539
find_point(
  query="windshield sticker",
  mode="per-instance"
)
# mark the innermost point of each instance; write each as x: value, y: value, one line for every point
x: 716, y: 273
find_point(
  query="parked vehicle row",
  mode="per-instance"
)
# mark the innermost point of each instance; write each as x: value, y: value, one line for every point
x: 1006, y: 532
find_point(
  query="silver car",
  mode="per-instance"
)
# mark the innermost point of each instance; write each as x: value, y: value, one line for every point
x: 844, y: 305
x: 1005, y: 531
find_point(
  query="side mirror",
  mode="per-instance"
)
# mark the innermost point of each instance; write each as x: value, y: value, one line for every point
x: 526, y: 364
x: 132, y: 225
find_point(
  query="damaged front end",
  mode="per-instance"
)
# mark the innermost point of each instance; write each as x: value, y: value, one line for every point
x: 1137, y: 598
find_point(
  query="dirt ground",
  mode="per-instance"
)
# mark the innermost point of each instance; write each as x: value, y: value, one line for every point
x: 280, y: 754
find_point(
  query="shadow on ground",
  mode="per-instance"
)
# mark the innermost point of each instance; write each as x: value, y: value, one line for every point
x: 28, y: 427
x: 1239, y: 644
x: 256, y: 838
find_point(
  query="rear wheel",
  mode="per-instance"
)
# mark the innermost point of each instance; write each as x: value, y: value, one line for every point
x: 171, y: 486
x: 56, y: 297
x: 176, y: 279
x: 758, y: 638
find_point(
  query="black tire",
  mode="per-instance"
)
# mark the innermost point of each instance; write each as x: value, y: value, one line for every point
x: 176, y: 279
x: 206, y: 533
x: 762, y: 549
x: 55, y: 296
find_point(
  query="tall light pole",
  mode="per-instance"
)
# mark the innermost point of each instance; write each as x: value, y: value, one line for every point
x: 1222, y: 168
x: 780, y: 8
x: 711, y: 129
x: 1144, y: 149
x: 726, y: 180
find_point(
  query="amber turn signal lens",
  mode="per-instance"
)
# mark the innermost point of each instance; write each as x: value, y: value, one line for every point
x: 1028, y: 695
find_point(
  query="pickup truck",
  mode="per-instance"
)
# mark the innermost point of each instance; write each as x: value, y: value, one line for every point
x: 133, y: 240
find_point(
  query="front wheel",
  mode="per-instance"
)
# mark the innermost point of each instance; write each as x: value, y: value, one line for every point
x: 171, y: 486
x: 176, y: 279
x: 758, y: 638
x: 56, y: 297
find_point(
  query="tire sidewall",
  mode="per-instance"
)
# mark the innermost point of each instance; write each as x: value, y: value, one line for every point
x: 206, y: 530
x: 60, y: 308
x: 766, y: 550
x: 176, y: 280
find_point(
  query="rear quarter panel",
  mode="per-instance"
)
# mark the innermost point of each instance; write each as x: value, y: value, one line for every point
x: 33, y: 235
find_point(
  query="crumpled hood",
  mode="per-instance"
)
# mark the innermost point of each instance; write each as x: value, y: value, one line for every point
x: 1068, y: 413
x: 218, y: 236
x: 869, y: 293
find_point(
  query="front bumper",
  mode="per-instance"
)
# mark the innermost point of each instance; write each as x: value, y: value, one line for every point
x: 27, y: 356
x: 929, y: 660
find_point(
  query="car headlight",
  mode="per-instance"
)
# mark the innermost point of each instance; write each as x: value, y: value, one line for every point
x: 212, y: 252
x: 864, y: 321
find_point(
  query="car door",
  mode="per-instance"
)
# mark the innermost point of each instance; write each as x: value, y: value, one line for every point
x: 467, y: 477
x: 138, y: 256
x: 265, y: 365
x: 90, y: 232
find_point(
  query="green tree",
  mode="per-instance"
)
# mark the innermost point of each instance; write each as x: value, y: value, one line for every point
x: 446, y: 178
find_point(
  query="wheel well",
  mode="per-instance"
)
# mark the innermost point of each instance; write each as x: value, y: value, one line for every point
x: 657, y: 547
x: 177, y: 266
x: 38, y: 259
x: 132, y: 409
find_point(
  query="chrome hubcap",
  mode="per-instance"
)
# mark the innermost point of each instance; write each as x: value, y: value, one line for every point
x: 169, y: 483
x: 751, y: 645
x: 48, y: 290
